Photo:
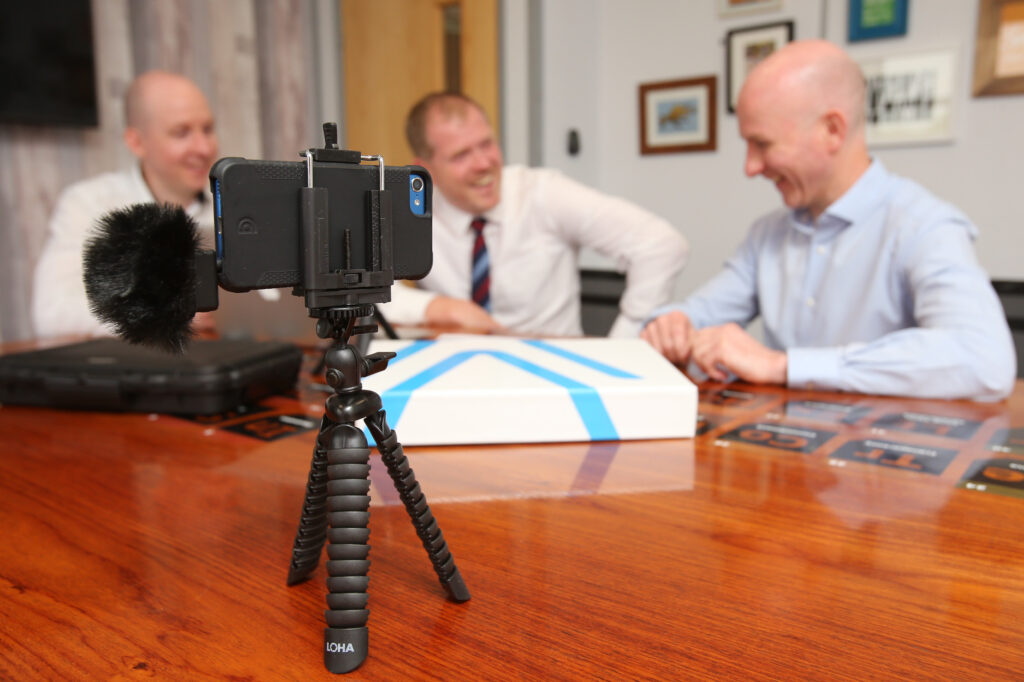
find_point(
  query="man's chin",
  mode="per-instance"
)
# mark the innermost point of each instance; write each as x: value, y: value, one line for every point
x: 199, y: 179
x: 790, y: 198
x: 199, y: 186
x: 485, y: 202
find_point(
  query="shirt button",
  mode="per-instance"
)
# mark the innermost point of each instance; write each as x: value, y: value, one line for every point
x: 810, y: 301
x: 821, y: 250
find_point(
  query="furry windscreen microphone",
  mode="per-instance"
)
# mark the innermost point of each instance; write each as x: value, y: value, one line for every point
x: 140, y: 274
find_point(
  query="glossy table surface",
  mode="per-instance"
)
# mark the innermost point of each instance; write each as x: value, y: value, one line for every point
x: 798, y: 536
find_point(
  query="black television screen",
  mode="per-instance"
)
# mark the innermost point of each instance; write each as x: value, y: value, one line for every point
x: 47, y: 67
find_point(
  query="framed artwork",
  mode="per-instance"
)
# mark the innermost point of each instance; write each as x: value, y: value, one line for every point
x: 745, y: 48
x: 999, y: 48
x: 870, y: 19
x: 910, y: 98
x: 678, y: 116
x: 728, y: 8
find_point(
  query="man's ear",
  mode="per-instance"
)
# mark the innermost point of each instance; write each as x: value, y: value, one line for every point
x: 420, y: 161
x: 133, y: 140
x: 835, y: 129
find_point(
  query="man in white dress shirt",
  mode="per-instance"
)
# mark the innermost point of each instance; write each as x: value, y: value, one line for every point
x: 534, y: 222
x: 170, y: 130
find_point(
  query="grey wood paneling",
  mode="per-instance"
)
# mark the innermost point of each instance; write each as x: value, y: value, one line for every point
x: 287, y: 93
x: 252, y: 58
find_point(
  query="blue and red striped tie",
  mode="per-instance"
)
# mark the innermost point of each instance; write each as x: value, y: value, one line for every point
x: 481, y: 267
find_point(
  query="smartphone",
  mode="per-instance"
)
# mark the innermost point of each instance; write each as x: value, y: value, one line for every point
x: 257, y: 219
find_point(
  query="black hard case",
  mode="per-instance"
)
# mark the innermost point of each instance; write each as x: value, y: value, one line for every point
x: 111, y: 375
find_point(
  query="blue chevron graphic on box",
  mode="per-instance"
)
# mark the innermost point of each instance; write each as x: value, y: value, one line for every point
x: 585, y: 398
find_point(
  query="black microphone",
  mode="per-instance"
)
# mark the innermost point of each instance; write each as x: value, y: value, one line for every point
x: 140, y: 266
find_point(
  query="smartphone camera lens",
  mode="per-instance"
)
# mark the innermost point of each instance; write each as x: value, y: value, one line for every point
x: 416, y: 190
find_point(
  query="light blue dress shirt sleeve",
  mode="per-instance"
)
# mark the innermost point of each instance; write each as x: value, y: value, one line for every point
x: 961, y: 346
x: 732, y: 295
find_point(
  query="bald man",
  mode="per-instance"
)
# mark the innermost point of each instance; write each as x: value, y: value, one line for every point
x: 865, y: 282
x: 170, y: 130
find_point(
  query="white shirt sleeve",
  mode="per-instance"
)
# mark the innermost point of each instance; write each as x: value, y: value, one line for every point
x: 649, y: 250
x: 59, y: 304
x: 408, y: 304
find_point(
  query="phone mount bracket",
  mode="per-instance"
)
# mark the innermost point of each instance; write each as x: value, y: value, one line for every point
x: 325, y: 286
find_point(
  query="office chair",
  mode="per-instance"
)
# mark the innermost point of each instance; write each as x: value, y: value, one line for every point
x: 600, y: 291
x: 1011, y: 295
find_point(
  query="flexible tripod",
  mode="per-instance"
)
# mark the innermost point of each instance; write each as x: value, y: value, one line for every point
x: 336, y: 508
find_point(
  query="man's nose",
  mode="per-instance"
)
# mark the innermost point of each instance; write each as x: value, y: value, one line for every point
x: 754, y: 164
x: 481, y: 159
x: 205, y: 143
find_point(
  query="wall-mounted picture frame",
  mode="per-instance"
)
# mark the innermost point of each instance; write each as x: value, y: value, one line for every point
x: 730, y: 8
x: 745, y: 48
x: 678, y: 116
x: 999, y: 48
x: 871, y: 19
x: 910, y: 98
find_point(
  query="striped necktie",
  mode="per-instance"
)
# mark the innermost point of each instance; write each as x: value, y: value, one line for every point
x: 481, y: 266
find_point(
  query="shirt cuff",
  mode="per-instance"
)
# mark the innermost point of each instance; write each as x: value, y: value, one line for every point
x: 408, y: 305
x: 813, y: 368
x: 625, y: 328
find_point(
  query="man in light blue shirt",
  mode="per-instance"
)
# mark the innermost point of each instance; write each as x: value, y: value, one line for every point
x: 867, y: 283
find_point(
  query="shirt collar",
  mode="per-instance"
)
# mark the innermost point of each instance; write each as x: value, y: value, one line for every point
x: 447, y: 212
x: 855, y: 204
x: 140, y: 182
x: 194, y: 209
x: 866, y: 194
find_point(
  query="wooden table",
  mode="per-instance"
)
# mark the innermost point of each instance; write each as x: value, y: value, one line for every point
x: 799, y: 536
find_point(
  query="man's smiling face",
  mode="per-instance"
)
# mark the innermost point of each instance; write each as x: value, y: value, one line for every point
x: 465, y: 161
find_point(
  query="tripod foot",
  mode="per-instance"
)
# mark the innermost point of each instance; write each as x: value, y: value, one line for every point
x: 345, y: 648
x: 416, y: 505
x: 455, y: 587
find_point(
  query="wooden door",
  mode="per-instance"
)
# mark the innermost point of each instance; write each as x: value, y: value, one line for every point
x: 396, y: 51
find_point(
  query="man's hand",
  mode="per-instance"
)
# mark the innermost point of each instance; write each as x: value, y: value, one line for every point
x: 463, y: 314
x: 728, y: 348
x: 204, y: 325
x: 671, y: 335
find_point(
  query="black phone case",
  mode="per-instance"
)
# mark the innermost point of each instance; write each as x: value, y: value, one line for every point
x: 111, y: 375
x: 258, y: 214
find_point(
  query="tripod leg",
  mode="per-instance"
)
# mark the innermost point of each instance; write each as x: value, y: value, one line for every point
x: 416, y: 505
x: 312, y: 532
x: 348, y: 502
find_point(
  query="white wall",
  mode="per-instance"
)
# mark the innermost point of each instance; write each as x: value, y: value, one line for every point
x: 597, y: 52
x: 572, y: 86
x: 515, y: 80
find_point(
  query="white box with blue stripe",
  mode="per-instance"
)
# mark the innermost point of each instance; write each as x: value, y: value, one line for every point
x: 462, y: 389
